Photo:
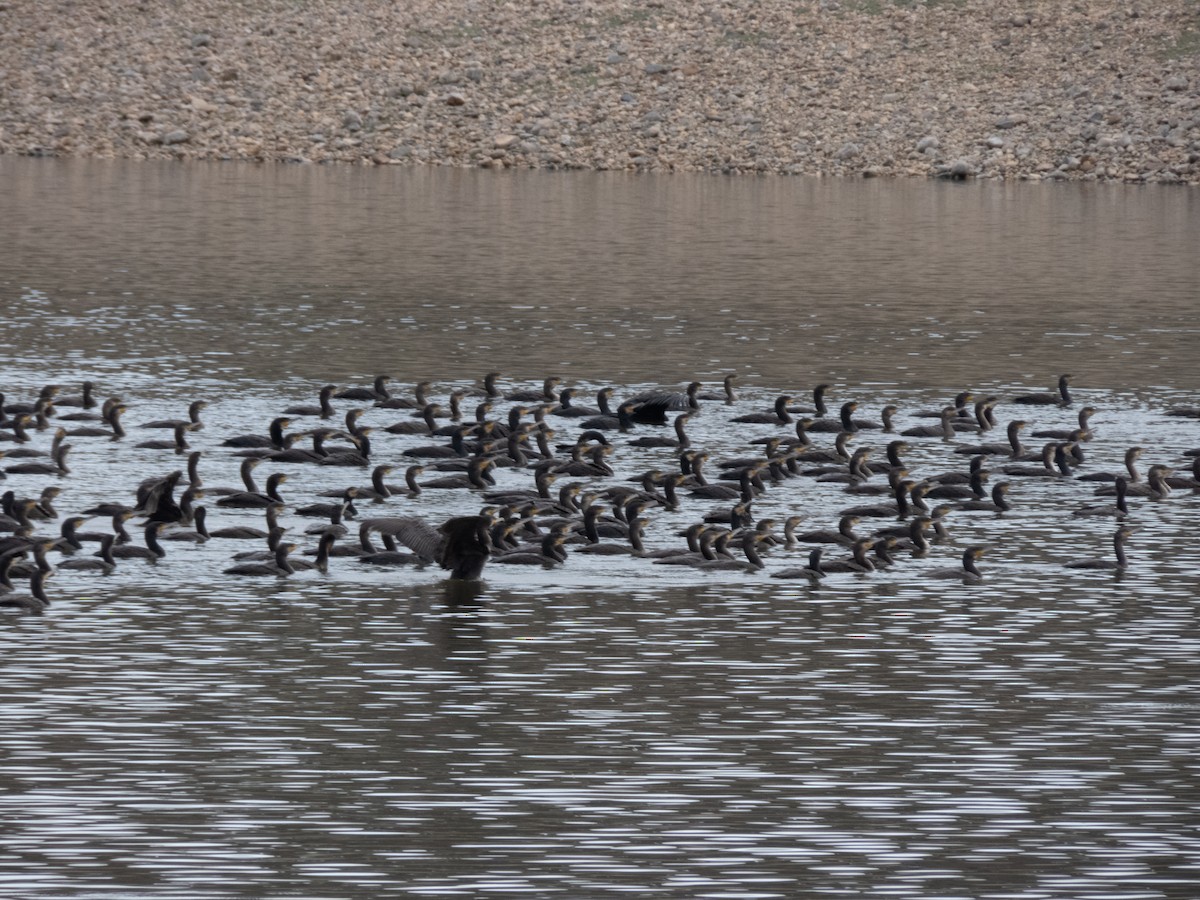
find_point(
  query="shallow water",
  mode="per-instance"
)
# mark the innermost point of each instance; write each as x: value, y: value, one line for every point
x: 608, y: 727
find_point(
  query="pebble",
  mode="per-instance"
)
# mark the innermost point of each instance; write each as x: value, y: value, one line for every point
x: 960, y: 168
x: 885, y: 88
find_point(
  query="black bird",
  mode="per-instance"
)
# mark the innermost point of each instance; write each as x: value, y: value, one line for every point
x: 1120, y: 563
x: 460, y: 545
x: 323, y: 409
x: 378, y: 392
x: 968, y: 572
x: 1060, y: 398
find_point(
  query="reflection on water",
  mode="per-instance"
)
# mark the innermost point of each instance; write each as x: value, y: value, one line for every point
x: 331, y: 273
x: 610, y: 727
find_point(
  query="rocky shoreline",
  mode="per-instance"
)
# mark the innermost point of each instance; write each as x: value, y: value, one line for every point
x: 1098, y: 90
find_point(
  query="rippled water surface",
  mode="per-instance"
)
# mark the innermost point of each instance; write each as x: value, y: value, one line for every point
x: 610, y: 726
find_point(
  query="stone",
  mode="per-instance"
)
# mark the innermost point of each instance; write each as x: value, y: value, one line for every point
x: 504, y: 141
x: 1006, y: 122
x: 960, y: 169
x: 848, y: 151
x: 455, y: 99
x: 929, y: 142
x: 178, y: 136
x: 1176, y: 83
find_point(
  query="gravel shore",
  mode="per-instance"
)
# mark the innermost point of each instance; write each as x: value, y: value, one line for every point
x: 1099, y: 90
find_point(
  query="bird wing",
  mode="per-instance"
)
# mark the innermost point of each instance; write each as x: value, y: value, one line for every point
x: 413, y: 532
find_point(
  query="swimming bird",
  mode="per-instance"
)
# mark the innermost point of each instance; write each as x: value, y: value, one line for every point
x: 945, y: 430
x: 378, y: 391
x: 460, y: 545
x: 811, y: 571
x: 1131, y: 473
x: 997, y: 503
x: 419, y: 399
x: 102, y: 562
x: 253, y: 499
x: 1119, y: 563
x: 651, y: 407
x: 1060, y: 398
x: 324, y: 409
x: 37, y: 601
x: 1084, y: 431
x: 779, y: 415
x: 728, y: 395
x: 279, y: 566
x: 273, y: 440
x: 193, y: 419
x: 968, y: 573
x: 198, y: 534
x: 1119, y: 509
x: 152, y: 552
x: 858, y: 562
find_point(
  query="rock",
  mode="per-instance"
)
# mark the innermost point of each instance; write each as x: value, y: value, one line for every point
x: 1007, y: 122
x: 1176, y: 83
x: 960, y: 169
x: 202, y: 39
x: 929, y: 142
x: 656, y: 69
x: 455, y: 99
x: 995, y: 142
x: 178, y: 136
x: 848, y: 151
x: 504, y: 141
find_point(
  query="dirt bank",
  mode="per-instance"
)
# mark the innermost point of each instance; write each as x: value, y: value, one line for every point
x: 986, y: 88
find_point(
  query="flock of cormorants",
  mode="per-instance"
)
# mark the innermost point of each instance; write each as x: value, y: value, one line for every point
x: 568, y: 498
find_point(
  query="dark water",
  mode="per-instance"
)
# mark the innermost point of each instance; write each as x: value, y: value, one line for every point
x: 609, y: 727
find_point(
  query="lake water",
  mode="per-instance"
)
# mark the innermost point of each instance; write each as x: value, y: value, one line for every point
x: 610, y: 726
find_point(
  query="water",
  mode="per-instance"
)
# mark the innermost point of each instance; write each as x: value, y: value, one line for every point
x: 609, y: 727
